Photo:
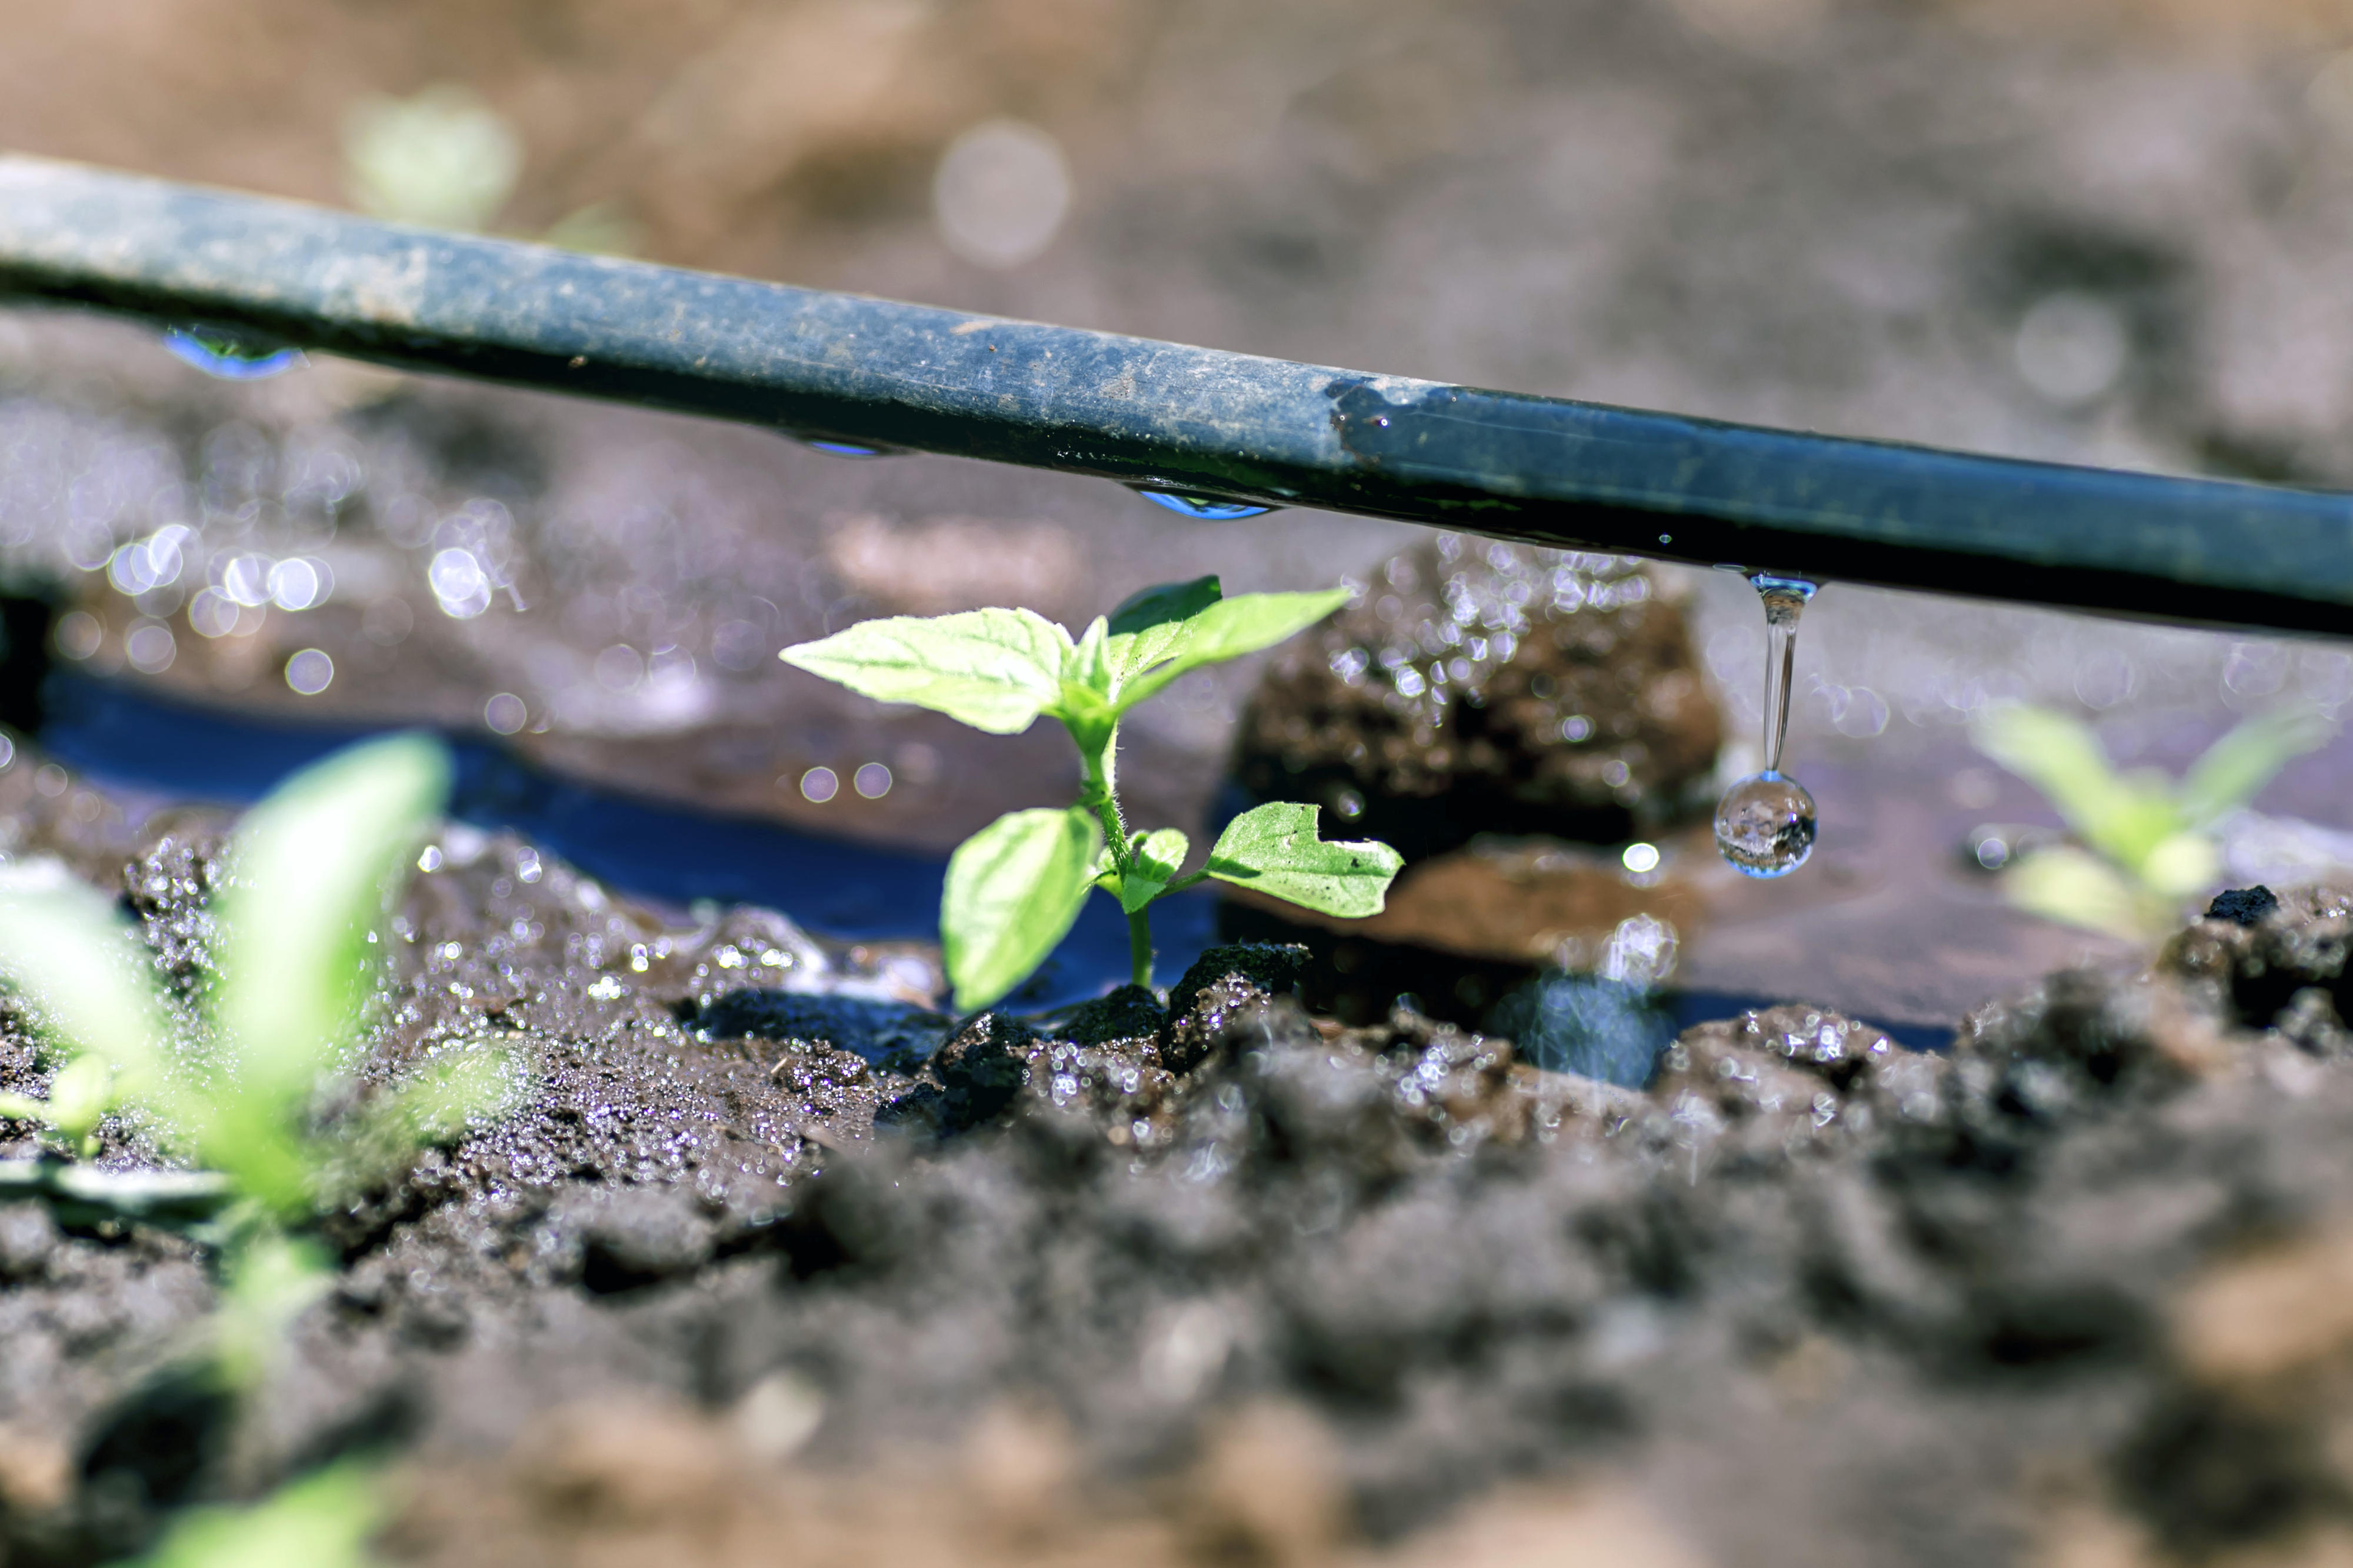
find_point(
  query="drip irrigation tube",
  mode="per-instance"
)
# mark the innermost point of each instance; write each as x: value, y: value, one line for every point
x: 846, y: 368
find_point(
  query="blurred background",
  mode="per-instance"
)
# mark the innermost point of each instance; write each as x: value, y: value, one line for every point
x: 2102, y: 232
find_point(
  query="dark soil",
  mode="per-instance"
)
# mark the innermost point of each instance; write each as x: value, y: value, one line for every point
x: 1813, y: 1297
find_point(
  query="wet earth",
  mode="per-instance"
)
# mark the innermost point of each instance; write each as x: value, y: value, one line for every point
x: 771, y: 1255
x: 1931, y: 1261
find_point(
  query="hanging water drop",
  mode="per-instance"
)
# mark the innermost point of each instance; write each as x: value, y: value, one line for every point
x: 1764, y: 824
x: 231, y: 355
x: 1201, y: 507
x: 841, y: 448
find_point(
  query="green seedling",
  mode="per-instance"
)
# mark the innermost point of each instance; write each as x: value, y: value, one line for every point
x: 314, y: 867
x: 1014, y: 888
x: 2144, y: 842
x: 445, y: 159
x: 322, y: 1520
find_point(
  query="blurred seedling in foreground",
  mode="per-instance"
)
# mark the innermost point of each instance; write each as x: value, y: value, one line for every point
x: 2144, y: 843
x: 297, y: 963
x: 445, y: 159
x: 322, y: 1520
x: 1013, y: 889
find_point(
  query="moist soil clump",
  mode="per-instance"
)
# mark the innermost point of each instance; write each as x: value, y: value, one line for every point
x: 1478, y: 686
x: 766, y: 1264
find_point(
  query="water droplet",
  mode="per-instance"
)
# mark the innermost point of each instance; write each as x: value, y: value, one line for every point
x: 819, y: 784
x: 1204, y: 509
x: 841, y: 448
x: 231, y: 355
x: 1764, y: 824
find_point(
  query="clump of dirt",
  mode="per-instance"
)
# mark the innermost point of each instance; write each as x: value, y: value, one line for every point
x: 1488, y: 688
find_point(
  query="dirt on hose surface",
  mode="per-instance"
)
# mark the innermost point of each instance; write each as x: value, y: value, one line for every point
x: 768, y: 1265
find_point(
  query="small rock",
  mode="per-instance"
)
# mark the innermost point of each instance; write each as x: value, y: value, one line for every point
x: 981, y: 1069
x: 2242, y: 906
x: 1130, y: 1013
x: 36, y: 1470
x: 27, y: 1236
x: 2254, y: 963
x: 1223, y: 984
x: 639, y: 1235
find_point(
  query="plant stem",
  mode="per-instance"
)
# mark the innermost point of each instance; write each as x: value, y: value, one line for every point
x: 1139, y: 947
x: 1102, y: 793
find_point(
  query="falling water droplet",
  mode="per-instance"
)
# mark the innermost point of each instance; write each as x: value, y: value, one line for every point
x: 231, y: 355
x: 1764, y: 824
x: 1205, y: 508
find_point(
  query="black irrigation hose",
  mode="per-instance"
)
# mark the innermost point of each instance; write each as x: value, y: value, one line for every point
x: 848, y: 368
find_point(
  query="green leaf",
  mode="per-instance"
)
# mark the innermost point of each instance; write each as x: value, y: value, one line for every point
x: 1151, y: 624
x: 993, y: 670
x: 1088, y: 664
x: 438, y: 1107
x: 1274, y: 850
x: 322, y: 1520
x: 1229, y: 630
x: 2123, y: 818
x: 1157, y: 857
x: 65, y: 949
x: 314, y: 864
x: 1013, y: 891
x: 22, y: 1108
x: 2066, y: 885
x: 444, y: 158
x: 2235, y: 768
x: 80, y: 1094
x: 1084, y: 704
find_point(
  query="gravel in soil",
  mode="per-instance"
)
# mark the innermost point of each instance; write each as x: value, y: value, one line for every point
x: 769, y: 1255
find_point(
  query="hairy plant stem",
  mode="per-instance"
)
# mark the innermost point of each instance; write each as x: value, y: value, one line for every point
x: 1102, y: 793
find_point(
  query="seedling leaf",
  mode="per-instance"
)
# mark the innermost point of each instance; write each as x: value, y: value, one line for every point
x: 1088, y: 664
x: 2122, y: 818
x: 65, y: 949
x: 80, y: 1094
x: 1159, y: 856
x: 1274, y: 849
x: 313, y: 863
x: 2235, y: 768
x: 1151, y: 625
x: 993, y: 670
x: 1229, y: 630
x: 1013, y: 891
x: 322, y: 1520
x: 2066, y: 885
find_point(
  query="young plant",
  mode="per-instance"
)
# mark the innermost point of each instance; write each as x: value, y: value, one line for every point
x: 2145, y: 842
x: 322, y: 1520
x: 314, y: 866
x: 1014, y: 888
